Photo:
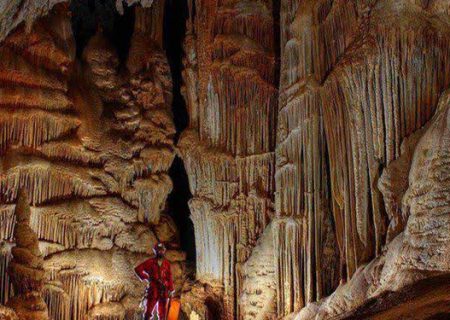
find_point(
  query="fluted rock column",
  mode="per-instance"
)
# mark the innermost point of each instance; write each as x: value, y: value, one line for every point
x: 26, y: 267
x: 227, y: 150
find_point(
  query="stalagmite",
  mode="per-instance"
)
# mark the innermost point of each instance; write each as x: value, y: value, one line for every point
x: 26, y: 267
x: 258, y: 299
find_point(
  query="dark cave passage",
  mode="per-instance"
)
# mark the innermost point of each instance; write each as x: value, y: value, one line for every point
x: 175, y: 15
x: 177, y: 204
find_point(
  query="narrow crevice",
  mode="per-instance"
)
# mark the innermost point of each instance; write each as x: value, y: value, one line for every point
x: 276, y: 10
x: 175, y: 15
x: 179, y: 209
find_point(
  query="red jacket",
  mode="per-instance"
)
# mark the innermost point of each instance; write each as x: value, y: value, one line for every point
x: 160, y: 278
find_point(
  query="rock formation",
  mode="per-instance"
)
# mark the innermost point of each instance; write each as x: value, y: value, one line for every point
x: 228, y: 148
x: 26, y: 267
x: 7, y: 313
x: 420, y: 251
x: 358, y: 80
x: 90, y: 138
x: 350, y: 94
x: 316, y: 154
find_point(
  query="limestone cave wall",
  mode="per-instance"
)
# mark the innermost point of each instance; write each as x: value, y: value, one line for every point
x: 358, y: 79
x: 228, y: 148
x: 359, y: 82
x: 90, y: 139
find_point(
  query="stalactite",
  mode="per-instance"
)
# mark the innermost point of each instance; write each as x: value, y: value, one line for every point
x: 47, y: 183
x: 243, y: 174
x: 8, y: 220
x: 256, y: 25
x: 84, y: 295
x: 355, y: 82
x: 241, y: 105
x: 420, y: 248
x: 290, y: 282
x: 209, y: 255
x: 6, y: 290
x: 33, y: 130
x: 384, y: 125
x: 149, y: 196
x: 58, y: 302
x: 228, y: 148
x: 90, y: 290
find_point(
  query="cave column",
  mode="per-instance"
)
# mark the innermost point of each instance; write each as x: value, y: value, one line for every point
x: 228, y: 148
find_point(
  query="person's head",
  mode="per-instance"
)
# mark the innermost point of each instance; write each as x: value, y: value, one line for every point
x: 159, y: 249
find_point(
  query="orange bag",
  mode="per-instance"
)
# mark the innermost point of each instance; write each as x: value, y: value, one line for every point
x: 174, y: 309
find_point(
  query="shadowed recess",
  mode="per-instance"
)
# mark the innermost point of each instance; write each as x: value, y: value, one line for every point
x: 90, y: 15
x: 175, y: 15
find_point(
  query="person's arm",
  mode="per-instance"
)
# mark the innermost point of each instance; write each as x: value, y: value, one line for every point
x: 141, y: 271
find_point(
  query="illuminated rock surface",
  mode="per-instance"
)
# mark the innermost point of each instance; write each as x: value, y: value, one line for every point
x: 91, y: 144
x: 228, y: 148
x: 26, y: 270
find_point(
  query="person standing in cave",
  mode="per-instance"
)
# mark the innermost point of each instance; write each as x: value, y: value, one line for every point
x: 156, y: 272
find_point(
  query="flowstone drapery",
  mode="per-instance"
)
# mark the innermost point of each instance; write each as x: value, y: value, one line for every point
x: 228, y: 148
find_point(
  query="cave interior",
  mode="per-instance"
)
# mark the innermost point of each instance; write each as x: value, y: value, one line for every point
x: 291, y: 155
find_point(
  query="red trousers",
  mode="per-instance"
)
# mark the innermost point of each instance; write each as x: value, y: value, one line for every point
x: 156, y: 309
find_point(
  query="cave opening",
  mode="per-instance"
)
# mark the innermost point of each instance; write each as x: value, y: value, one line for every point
x: 175, y: 15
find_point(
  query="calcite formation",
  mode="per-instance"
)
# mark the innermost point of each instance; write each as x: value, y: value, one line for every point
x: 316, y: 155
x: 7, y: 313
x: 26, y: 267
x: 359, y: 82
x: 90, y: 140
x: 358, y: 79
x: 228, y: 148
